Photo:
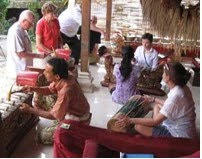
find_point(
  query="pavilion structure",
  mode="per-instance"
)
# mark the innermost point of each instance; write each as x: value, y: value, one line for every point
x: 84, y: 76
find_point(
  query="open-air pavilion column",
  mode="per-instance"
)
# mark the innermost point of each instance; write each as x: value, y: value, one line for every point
x: 85, y: 34
x: 108, y: 19
x: 84, y: 75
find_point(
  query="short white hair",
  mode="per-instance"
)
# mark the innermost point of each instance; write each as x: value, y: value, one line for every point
x: 26, y: 14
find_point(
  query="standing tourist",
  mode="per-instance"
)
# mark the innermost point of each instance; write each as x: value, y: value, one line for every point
x: 19, y: 49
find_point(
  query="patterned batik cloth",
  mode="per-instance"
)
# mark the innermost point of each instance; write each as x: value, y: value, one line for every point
x: 46, y: 134
x: 45, y: 102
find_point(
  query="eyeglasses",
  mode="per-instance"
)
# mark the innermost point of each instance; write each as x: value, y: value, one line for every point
x: 30, y: 23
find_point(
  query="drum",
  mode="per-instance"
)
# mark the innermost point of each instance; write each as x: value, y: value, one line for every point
x: 136, y: 107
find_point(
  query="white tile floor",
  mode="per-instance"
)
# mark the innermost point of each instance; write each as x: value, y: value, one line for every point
x: 102, y: 109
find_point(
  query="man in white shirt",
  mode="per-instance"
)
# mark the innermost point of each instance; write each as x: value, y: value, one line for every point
x: 70, y: 21
x: 19, y: 50
x: 146, y: 56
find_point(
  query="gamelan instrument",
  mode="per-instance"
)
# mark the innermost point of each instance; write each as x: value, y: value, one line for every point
x: 136, y: 107
x: 14, y: 124
x: 150, y: 82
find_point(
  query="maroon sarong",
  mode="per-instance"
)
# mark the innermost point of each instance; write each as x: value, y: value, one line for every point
x: 70, y: 143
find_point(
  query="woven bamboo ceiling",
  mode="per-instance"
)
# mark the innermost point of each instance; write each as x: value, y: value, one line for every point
x: 175, y: 19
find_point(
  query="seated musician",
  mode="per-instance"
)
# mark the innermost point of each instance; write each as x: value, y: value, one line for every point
x: 103, y: 52
x: 70, y: 103
x: 94, y: 27
x: 95, y: 39
x: 127, y: 74
x: 174, y: 117
x: 176, y: 113
x: 145, y: 55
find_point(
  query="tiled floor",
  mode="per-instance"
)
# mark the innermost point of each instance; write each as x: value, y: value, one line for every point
x: 102, y: 109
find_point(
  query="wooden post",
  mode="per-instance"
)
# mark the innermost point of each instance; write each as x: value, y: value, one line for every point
x: 84, y: 76
x: 108, y: 22
x: 85, y: 34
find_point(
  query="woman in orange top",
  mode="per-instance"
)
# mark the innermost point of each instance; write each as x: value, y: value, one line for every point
x: 48, y: 29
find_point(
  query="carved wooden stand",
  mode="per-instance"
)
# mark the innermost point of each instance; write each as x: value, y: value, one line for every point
x: 109, y: 77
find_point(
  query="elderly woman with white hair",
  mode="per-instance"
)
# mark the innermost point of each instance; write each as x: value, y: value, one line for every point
x: 19, y: 50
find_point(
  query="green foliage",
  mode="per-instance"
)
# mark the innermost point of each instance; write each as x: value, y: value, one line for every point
x: 6, y: 24
x: 62, y: 5
x: 34, y: 6
x: 3, y: 9
x: 32, y: 35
